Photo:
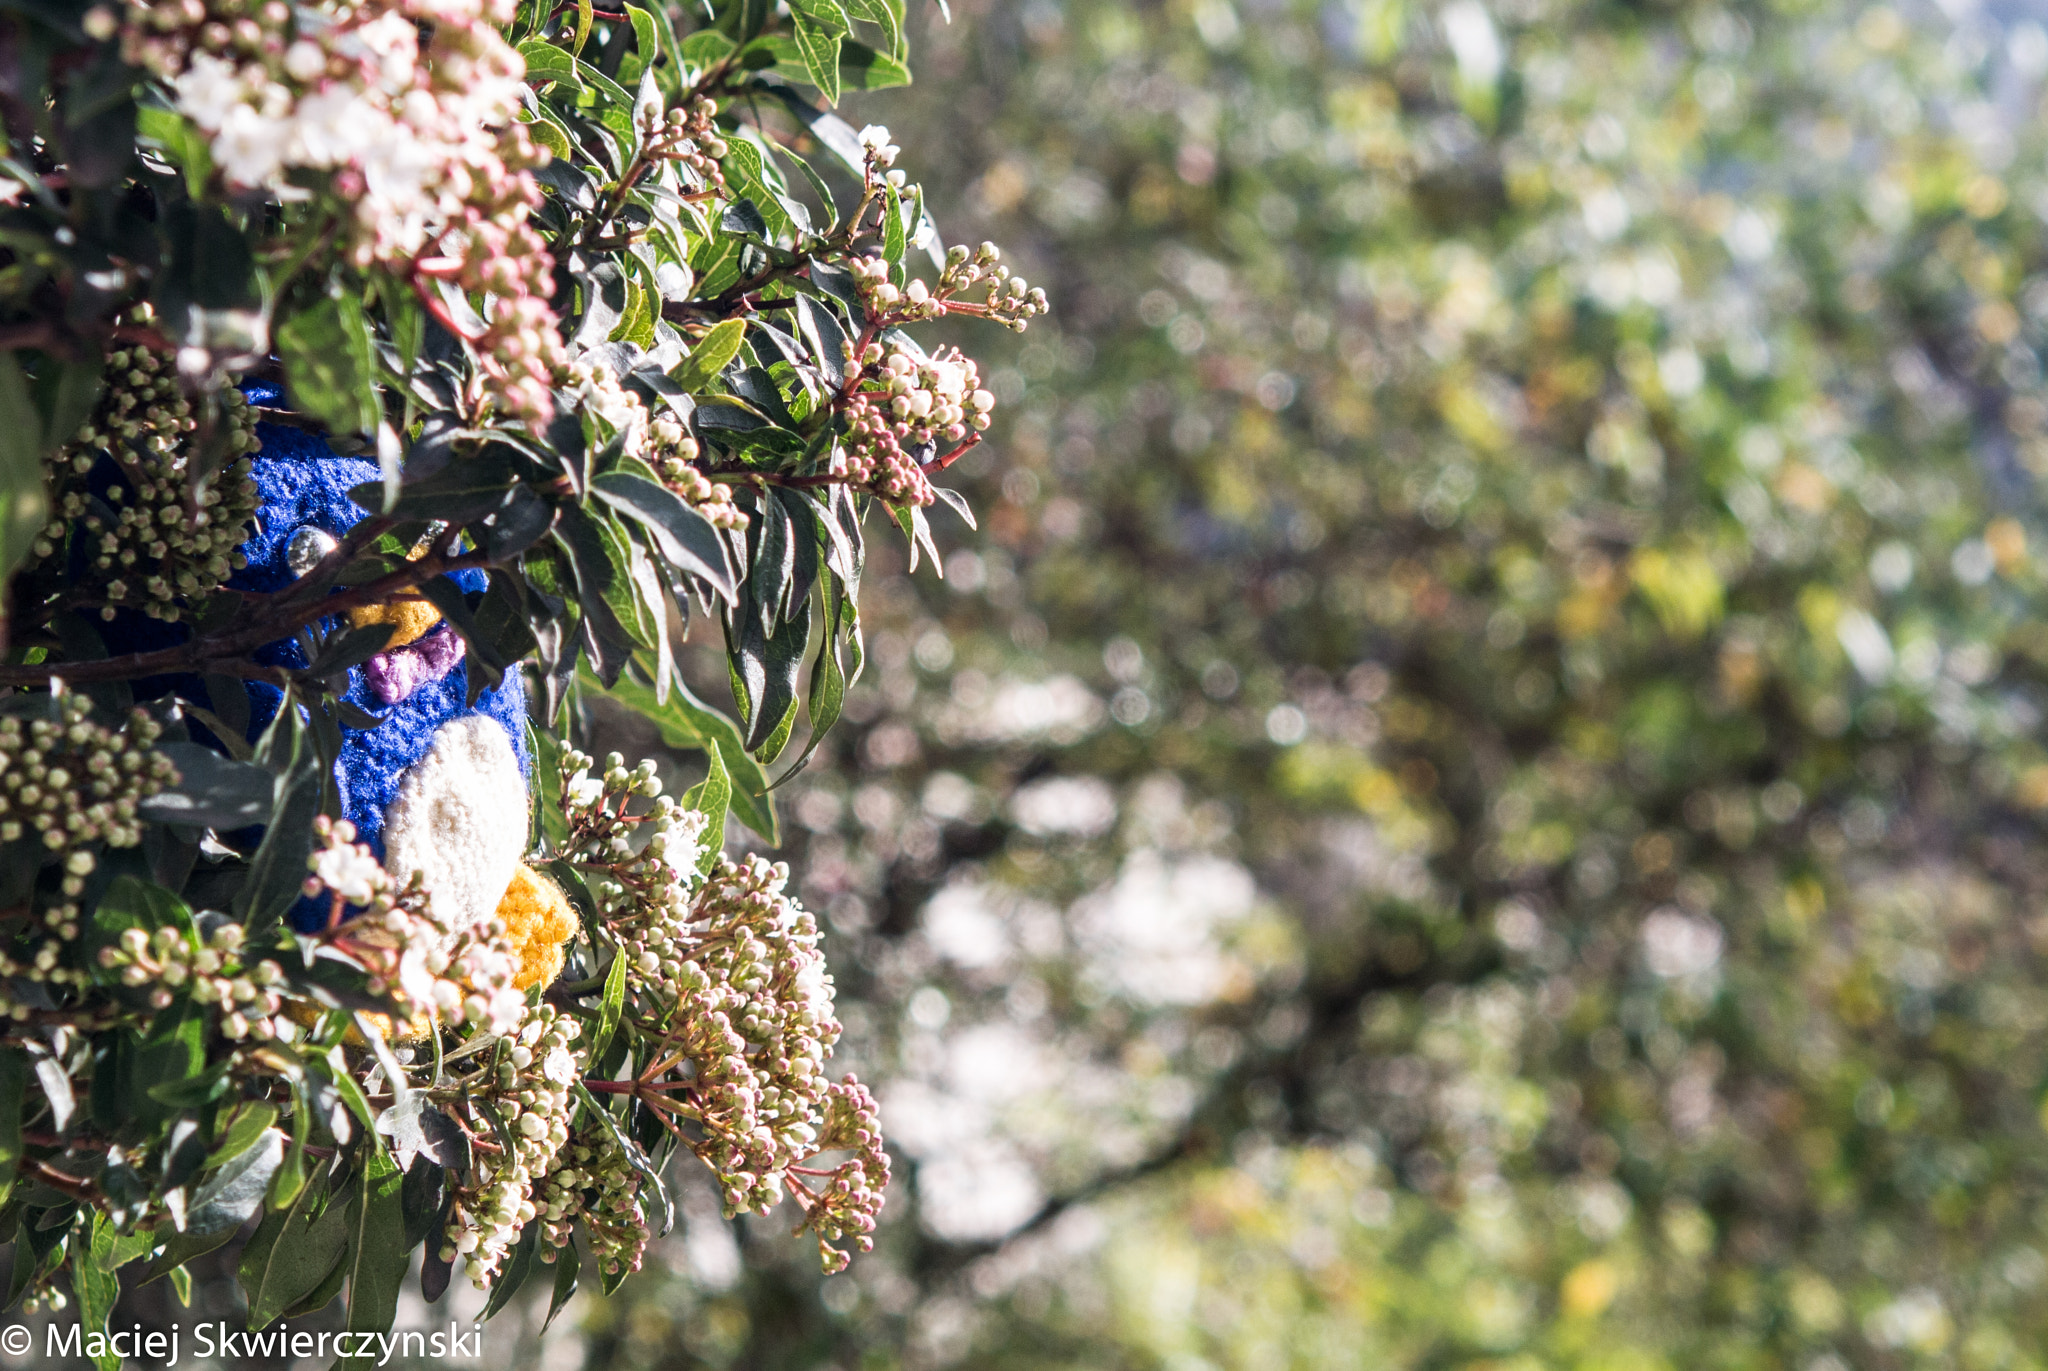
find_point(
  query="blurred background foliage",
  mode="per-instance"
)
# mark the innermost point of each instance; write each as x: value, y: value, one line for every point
x: 1478, y: 799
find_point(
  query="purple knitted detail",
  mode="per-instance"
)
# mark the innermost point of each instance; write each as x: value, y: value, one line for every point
x: 396, y: 674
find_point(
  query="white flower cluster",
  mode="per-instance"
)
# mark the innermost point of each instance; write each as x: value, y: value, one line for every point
x: 936, y: 395
x: 437, y: 976
x: 531, y: 1099
x: 1007, y: 299
x: 419, y: 146
x: 350, y: 93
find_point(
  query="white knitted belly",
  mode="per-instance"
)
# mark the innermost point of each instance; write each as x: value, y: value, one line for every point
x: 459, y: 819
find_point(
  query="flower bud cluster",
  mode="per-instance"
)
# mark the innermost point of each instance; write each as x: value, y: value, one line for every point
x: 408, y: 108
x: 872, y: 458
x: 847, y: 1202
x: 1008, y: 299
x: 643, y: 892
x: 170, y: 541
x: 460, y: 978
x: 528, y: 1088
x: 71, y: 783
x: 689, y: 137
x: 660, y: 440
x: 735, y: 968
x: 213, y: 972
x: 756, y: 1004
x: 593, y: 1181
x: 905, y: 402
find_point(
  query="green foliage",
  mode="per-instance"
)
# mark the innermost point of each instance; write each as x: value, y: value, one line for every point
x: 621, y: 350
x: 1526, y: 581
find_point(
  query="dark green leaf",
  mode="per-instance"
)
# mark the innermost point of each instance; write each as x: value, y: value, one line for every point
x: 212, y: 791
x: 13, y: 1095
x: 567, y: 1266
x: 281, y: 1263
x: 329, y: 366
x: 685, y: 537
x: 235, y: 1191
x: 278, y: 869
x: 378, y: 1251
x: 24, y: 504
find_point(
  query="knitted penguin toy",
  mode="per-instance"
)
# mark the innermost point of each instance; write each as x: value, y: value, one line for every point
x: 436, y: 787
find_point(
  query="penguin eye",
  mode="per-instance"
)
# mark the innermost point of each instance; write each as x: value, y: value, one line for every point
x: 305, y: 549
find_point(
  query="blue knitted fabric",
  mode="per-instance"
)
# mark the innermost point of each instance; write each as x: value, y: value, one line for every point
x: 302, y: 482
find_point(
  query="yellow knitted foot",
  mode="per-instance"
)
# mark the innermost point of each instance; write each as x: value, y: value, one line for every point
x: 538, y: 923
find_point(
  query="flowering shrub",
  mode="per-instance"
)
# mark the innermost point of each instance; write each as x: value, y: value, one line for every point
x: 579, y: 281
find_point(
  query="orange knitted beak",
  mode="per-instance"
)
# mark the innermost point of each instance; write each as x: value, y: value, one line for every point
x: 413, y: 618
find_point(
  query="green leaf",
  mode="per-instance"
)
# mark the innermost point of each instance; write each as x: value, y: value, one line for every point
x: 24, y: 503
x: 225, y: 1202
x: 770, y: 666
x: 712, y: 354
x: 212, y: 791
x: 636, y: 1157
x: 711, y: 797
x: 705, y: 47
x: 612, y: 1009
x: 13, y: 1093
x: 131, y: 902
x: 828, y: 685
x: 646, y: 45
x: 172, y: 1052
x: 289, y: 1257
x: 546, y: 62
x: 378, y: 1256
x: 895, y: 243
x: 823, y: 14
x: 885, y: 15
x: 330, y: 369
x: 820, y: 47
x: 748, y: 174
x: 181, y: 1249
x: 568, y: 1265
x: 278, y: 869
x: 685, y: 721
x: 251, y: 1120
x: 861, y: 67
x: 96, y: 1287
x: 65, y: 394
x: 684, y: 536
x: 181, y: 143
